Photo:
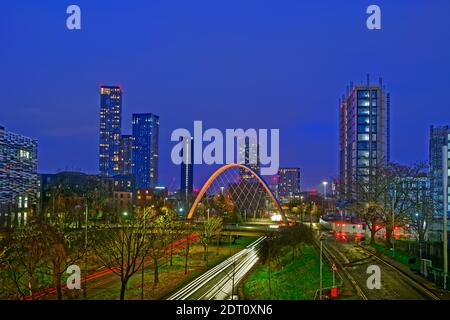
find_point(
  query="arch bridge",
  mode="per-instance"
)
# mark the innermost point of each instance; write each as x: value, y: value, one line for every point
x: 246, y: 193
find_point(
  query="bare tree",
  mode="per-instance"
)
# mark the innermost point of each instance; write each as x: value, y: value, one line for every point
x: 386, y: 197
x: 62, y: 250
x: 25, y: 259
x: 209, y: 229
x: 422, y: 213
x: 159, y: 233
x: 120, y: 248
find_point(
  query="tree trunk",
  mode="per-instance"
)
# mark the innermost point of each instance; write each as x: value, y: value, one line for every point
x: 186, y: 256
x: 57, y: 284
x: 155, y: 272
x: 218, y: 242
x: 171, y: 253
x: 372, y: 235
x: 387, y: 242
x: 123, y: 288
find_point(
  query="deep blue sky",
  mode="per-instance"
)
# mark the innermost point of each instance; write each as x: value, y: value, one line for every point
x: 231, y: 63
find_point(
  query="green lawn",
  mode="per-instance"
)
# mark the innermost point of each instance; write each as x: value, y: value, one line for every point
x: 296, y: 280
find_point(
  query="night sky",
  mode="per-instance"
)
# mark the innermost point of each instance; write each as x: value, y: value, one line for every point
x: 231, y: 63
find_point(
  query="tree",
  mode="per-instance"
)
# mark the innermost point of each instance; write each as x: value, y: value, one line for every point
x: 385, y: 197
x: 187, y: 233
x: 62, y: 250
x: 158, y: 229
x: 209, y: 229
x: 120, y: 246
x: 421, y: 214
x: 25, y: 259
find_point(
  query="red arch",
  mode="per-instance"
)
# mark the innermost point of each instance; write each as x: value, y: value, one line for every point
x: 224, y: 168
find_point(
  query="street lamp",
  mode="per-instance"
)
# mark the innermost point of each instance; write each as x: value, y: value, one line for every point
x: 321, y: 265
x: 325, y: 183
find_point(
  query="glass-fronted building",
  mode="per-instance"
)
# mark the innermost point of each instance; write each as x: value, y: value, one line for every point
x: 110, y: 130
x: 288, y: 184
x: 18, y: 178
x: 439, y: 137
x: 187, y: 169
x: 364, y: 135
x: 249, y: 153
x: 126, y: 145
x: 144, y: 155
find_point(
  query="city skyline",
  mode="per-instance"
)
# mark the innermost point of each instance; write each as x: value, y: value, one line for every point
x: 225, y: 150
x: 183, y: 78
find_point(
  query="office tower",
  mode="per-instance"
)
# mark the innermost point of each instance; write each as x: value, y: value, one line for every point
x: 439, y: 137
x: 249, y: 152
x: 144, y: 155
x: 288, y: 184
x: 126, y: 144
x: 187, y: 168
x: 364, y: 135
x: 18, y: 178
x: 110, y: 129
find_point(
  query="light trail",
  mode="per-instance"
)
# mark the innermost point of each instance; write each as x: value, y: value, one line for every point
x: 217, y: 283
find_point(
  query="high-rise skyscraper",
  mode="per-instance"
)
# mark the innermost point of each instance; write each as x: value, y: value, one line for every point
x: 364, y: 134
x: 110, y: 129
x: 126, y: 144
x: 18, y: 177
x: 288, y: 184
x: 249, y: 152
x: 187, y: 168
x: 144, y: 155
x: 439, y: 137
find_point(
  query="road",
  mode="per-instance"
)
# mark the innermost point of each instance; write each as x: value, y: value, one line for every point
x: 395, y: 285
x: 218, y: 282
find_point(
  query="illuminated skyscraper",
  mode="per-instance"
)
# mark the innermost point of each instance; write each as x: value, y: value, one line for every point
x: 364, y: 135
x: 110, y: 130
x: 288, y: 184
x: 144, y: 155
x: 439, y: 171
x: 250, y: 153
x: 187, y: 169
x: 126, y: 145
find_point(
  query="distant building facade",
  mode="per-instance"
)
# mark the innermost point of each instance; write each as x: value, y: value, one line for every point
x: 72, y: 187
x: 145, y: 152
x: 288, y: 184
x: 439, y: 169
x: 249, y: 152
x: 110, y: 130
x: 18, y: 178
x: 126, y: 146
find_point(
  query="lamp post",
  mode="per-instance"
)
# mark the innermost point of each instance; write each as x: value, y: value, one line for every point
x: 393, y: 223
x: 445, y: 187
x: 321, y: 267
x: 143, y: 256
x: 325, y: 183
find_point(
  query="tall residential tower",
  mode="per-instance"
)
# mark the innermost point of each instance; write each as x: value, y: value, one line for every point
x: 144, y: 155
x: 110, y: 130
x: 187, y: 169
x: 364, y: 134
